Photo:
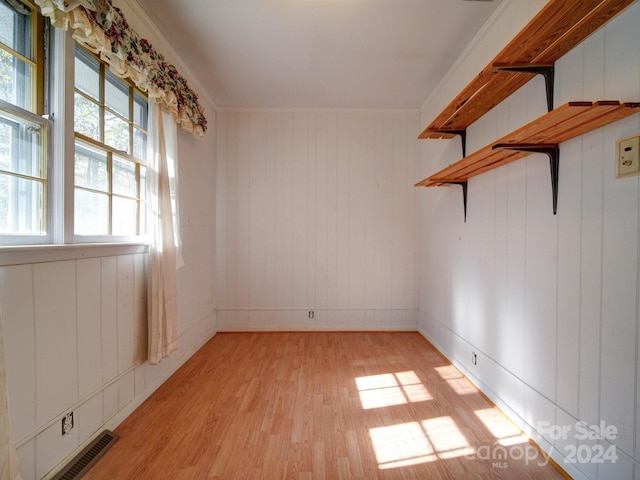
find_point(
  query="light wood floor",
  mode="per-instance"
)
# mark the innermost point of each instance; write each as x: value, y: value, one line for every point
x: 318, y: 406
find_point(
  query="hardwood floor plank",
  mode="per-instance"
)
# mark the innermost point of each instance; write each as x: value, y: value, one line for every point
x: 314, y: 406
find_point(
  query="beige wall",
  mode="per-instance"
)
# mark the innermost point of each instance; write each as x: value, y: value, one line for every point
x: 316, y: 212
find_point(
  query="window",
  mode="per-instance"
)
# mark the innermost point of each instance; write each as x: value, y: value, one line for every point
x: 21, y: 55
x: 110, y: 123
x: 92, y: 188
x: 22, y: 174
x: 23, y: 132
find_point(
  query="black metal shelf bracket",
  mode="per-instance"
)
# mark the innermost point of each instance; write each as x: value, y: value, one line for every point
x: 464, y: 195
x: 461, y: 133
x: 552, y: 151
x: 547, y: 71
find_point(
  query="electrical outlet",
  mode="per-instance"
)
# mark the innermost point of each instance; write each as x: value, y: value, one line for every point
x: 627, y: 161
x: 312, y: 314
x: 474, y: 358
x: 67, y: 423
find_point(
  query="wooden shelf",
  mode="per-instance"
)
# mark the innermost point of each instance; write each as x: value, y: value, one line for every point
x: 554, y: 31
x: 543, y: 135
x: 559, y: 125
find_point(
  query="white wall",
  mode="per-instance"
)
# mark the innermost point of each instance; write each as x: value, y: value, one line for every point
x: 74, y: 318
x: 316, y: 211
x: 549, y: 303
x: 75, y: 329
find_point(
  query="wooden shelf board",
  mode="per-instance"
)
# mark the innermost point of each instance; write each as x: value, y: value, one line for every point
x: 565, y: 122
x: 554, y: 31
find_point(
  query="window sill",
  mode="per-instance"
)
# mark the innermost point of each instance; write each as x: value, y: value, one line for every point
x: 24, y: 254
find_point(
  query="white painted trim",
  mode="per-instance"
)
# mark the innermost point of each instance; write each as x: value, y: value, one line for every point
x: 121, y: 415
x: 20, y: 255
x: 505, y: 409
x: 323, y: 319
x: 316, y: 309
x: 315, y: 109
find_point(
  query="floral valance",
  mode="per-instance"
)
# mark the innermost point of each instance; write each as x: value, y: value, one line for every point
x: 102, y: 28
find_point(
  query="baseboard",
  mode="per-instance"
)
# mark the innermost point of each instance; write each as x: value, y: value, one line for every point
x: 315, y: 319
x: 169, y: 365
x: 570, y: 472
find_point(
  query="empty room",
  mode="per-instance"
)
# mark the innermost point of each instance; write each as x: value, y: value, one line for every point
x: 319, y: 239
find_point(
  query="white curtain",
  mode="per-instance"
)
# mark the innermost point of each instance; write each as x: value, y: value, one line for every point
x: 163, y: 230
x: 9, y: 466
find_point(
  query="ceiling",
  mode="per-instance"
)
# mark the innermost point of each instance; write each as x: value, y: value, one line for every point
x: 319, y: 53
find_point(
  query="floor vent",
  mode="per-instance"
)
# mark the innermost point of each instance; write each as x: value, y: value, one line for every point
x: 82, y: 462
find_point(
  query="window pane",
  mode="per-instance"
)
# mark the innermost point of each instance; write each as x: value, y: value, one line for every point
x: 140, y: 111
x: 91, y: 168
x: 116, y: 132
x: 116, y: 94
x: 87, y: 74
x: 87, y: 117
x: 15, y: 27
x: 21, y: 149
x: 108, y: 172
x: 143, y: 197
x: 124, y: 177
x: 140, y: 144
x: 143, y: 183
x: 21, y: 202
x: 7, y: 83
x: 143, y: 218
x: 124, y: 216
x: 91, y: 213
x: 8, y: 136
x: 15, y: 80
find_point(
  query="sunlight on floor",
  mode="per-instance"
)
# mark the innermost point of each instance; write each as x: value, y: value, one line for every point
x: 418, y: 442
x: 401, y: 445
x: 429, y: 440
x: 388, y: 389
x: 413, y: 442
x: 446, y: 437
x: 506, y: 433
x: 456, y: 380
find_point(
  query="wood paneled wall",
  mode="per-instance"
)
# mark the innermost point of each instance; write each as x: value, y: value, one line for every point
x: 316, y: 212
x: 548, y: 303
x: 74, y: 317
x: 74, y: 324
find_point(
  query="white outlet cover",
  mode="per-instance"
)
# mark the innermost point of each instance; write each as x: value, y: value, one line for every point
x: 627, y: 158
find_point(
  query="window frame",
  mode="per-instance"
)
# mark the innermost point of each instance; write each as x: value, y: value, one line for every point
x: 38, y: 49
x: 133, y: 93
x: 35, y: 114
x: 55, y: 95
x: 45, y: 131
